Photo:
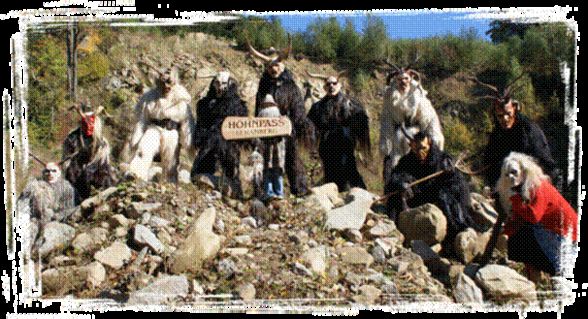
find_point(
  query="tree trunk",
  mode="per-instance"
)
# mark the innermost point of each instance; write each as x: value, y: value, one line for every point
x: 72, y: 59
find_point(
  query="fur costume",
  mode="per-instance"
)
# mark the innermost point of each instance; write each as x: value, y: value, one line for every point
x: 341, y: 123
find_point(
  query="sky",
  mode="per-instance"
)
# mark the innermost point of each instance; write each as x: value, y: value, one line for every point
x: 405, y: 25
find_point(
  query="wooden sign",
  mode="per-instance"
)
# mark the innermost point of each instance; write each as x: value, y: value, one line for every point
x: 239, y: 128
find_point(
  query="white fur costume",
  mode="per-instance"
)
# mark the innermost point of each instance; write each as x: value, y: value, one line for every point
x: 149, y: 139
x: 414, y: 110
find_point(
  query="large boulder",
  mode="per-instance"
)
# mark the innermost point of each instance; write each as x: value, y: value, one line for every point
x: 201, y: 244
x: 316, y: 259
x: 469, y: 244
x: 54, y: 237
x: 350, y: 216
x: 465, y: 290
x: 502, y: 283
x: 482, y: 211
x: 329, y: 190
x: 426, y: 223
x: 114, y: 256
x: 161, y: 290
x: 355, y: 255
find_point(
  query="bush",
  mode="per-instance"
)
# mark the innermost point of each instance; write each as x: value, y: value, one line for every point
x: 92, y: 67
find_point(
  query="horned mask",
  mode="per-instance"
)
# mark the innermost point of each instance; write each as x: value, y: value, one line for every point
x: 274, y: 65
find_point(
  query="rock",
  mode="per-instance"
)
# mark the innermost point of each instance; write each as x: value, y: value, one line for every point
x: 421, y: 248
x: 118, y: 220
x: 59, y: 281
x: 201, y: 244
x: 379, y: 254
x: 207, y: 180
x: 184, y: 177
x: 482, y: 211
x: 390, y: 288
x: 136, y: 209
x: 329, y: 190
x: 316, y: 259
x: 197, y: 288
x: 301, y: 269
x: 83, y: 242
x: 219, y: 226
x: 299, y: 238
x: 312, y: 243
x: 350, y: 216
x: 383, y: 228
x: 99, y: 234
x: 466, y: 291
x: 258, y: 209
x: 388, y: 244
x: 142, y: 236
x: 425, y: 222
x: 244, y: 240
x: 161, y: 290
x: 469, y: 244
x: 249, y: 221
x: 353, y: 279
x: 120, y: 232
x: 321, y: 201
x: 246, y: 292
x: 399, y: 266
x: 227, y: 268
x: 360, y: 194
x: 114, y: 256
x: 236, y: 251
x: 158, y: 222
x: 355, y: 255
x: 54, y: 237
x: 95, y: 274
x: 353, y: 235
x: 503, y: 283
x: 273, y: 227
x: 368, y: 295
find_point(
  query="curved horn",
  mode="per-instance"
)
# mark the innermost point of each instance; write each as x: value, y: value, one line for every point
x: 394, y: 66
x: 341, y: 74
x: 317, y: 76
x: 286, y: 52
x: 403, y: 129
x: 507, y: 89
x: 491, y: 87
x: 257, y: 53
x: 38, y: 159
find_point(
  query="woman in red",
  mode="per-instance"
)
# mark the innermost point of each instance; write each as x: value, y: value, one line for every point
x: 540, y: 218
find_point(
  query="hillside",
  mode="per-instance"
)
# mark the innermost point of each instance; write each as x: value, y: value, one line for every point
x: 154, y: 242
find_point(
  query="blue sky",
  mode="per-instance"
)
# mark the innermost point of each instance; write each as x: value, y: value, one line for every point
x: 407, y: 25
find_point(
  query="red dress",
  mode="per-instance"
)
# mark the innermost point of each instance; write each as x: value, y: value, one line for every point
x: 548, y: 208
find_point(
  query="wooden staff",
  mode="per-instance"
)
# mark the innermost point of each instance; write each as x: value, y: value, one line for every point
x: 38, y: 159
x: 495, y: 233
x: 418, y: 181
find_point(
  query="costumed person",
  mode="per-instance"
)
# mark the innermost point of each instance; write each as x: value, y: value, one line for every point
x: 165, y: 125
x: 46, y: 199
x: 279, y: 82
x: 221, y: 101
x: 89, y: 153
x: 341, y: 124
x: 540, y: 220
x: 405, y: 104
x: 273, y: 150
x: 448, y: 191
x: 513, y: 132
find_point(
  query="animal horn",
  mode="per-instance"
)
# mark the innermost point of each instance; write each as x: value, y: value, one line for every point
x: 341, y: 74
x: 317, y: 76
x: 394, y: 66
x: 508, y: 88
x: 255, y: 52
x: 101, y: 110
x: 286, y: 52
x: 403, y: 129
x: 491, y: 87
x: 38, y: 159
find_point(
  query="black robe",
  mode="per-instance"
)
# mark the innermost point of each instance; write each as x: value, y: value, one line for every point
x: 449, y: 191
x: 340, y: 124
x: 524, y: 137
x: 291, y: 103
x: 212, y: 147
x: 81, y: 171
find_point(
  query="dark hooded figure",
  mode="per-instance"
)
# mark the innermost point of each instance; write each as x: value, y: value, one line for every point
x: 87, y: 155
x: 287, y: 95
x: 221, y: 101
x: 514, y: 132
x: 448, y: 191
x: 341, y: 123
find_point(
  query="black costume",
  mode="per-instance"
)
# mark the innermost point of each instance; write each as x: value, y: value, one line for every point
x: 340, y: 123
x: 212, y: 147
x: 449, y: 191
x: 524, y: 137
x: 84, y: 171
x: 289, y: 99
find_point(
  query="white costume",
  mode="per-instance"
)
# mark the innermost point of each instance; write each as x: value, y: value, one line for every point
x: 165, y: 122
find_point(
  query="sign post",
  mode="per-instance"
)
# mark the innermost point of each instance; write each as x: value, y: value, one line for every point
x: 240, y: 128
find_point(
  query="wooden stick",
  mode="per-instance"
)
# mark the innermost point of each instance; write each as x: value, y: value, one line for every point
x: 494, y: 237
x: 418, y: 181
